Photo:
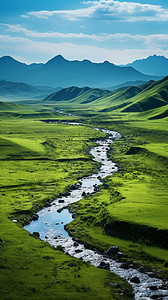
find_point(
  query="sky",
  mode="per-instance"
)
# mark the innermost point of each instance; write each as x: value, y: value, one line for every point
x: 118, y: 31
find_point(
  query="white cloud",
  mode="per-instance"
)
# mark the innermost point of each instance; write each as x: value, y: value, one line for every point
x: 120, y: 37
x: 110, y: 10
x: 31, y: 51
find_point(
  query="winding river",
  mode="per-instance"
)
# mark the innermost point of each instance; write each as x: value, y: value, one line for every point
x: 54, y: 217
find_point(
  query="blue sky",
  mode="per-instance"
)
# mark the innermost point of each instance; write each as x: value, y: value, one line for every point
x: 118, y: 31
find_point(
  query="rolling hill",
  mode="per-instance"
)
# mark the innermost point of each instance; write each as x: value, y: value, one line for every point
x: 154, y: 96
x: 60, y: 72
x: 149, y: 99
x: 78, y: 95
x: 7, y: 106
x: 17, y: 90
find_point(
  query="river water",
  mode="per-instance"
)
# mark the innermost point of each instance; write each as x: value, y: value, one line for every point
x: 53, y: 219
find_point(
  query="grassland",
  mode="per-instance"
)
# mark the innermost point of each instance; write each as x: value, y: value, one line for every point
x: 131, y: 209
x: 38, y: 162
x: 132, y: 212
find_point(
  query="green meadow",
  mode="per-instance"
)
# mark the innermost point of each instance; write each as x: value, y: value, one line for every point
x: 131, y: 209
x: 132, y: 212
x: 40, y: 160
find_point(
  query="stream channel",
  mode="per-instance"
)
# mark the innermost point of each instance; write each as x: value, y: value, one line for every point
x: 52, y: 221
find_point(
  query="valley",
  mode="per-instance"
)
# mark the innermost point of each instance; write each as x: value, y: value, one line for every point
x: 129, y: 211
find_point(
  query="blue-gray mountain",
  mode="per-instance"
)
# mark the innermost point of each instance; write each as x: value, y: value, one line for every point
x: 152, y: 65
x: 60, y: 72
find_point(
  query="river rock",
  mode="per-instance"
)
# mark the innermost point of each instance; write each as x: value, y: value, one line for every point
x: 113, y: 250
x: 70, y: 232
x: 87, y: 245
x: 104, y: 265
x: 75, y: 244
x: 48, y: 204
x: 78, y: 250
x: 153, y: 288
x: 35, y: 217
x: 142, y: 270
x: 75, y: 186
x: 61, y: 201
x: 156, y: 297
x: 135, y: 279
x: 124, y: 266
x: 36, y: 233
x: 120, y: 255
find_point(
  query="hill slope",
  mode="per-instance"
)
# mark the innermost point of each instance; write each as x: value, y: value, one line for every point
x: 8, y: 106
x: 150, y: 100
x: 15, y: 90
x: 77, y: 95
x: 154, y: 96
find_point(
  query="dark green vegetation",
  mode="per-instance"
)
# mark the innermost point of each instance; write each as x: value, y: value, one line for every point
x: 150, y: 100
x: 38, y: 162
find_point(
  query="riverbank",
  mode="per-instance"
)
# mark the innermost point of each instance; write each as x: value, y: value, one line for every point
x: 31, y: 175
x: 132, y: 204
x: 141, y: 280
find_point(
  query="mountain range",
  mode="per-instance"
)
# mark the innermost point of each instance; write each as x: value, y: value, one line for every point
x: 152, y: 65
x: 146, y: 101
x: 61, y: 72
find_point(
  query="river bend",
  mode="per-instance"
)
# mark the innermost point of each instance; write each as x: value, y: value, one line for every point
x: 53, y: 219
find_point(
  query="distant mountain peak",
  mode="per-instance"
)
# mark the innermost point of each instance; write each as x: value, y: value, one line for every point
x: 56, y: 59
x: 86, y: 61
x: 107, y: 63
x: 8, y: 58
x: 152, y: 65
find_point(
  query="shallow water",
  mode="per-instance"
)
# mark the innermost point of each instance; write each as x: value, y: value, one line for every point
x: 52, y: 220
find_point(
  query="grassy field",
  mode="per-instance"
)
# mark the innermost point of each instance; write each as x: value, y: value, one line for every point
x: 131, y: 210
x: 38, y: 162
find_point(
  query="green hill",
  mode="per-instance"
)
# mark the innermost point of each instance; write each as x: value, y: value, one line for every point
x: 148, y: 100
x: 78, y: 95
x: 154, y: 96
x: 7, y: 106
x: 13, y: 90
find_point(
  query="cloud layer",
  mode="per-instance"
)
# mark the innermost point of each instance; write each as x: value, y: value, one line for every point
x: 122, y: 37
x: 115, y: 30
x: 24, y: 48
x: 108, y: 10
